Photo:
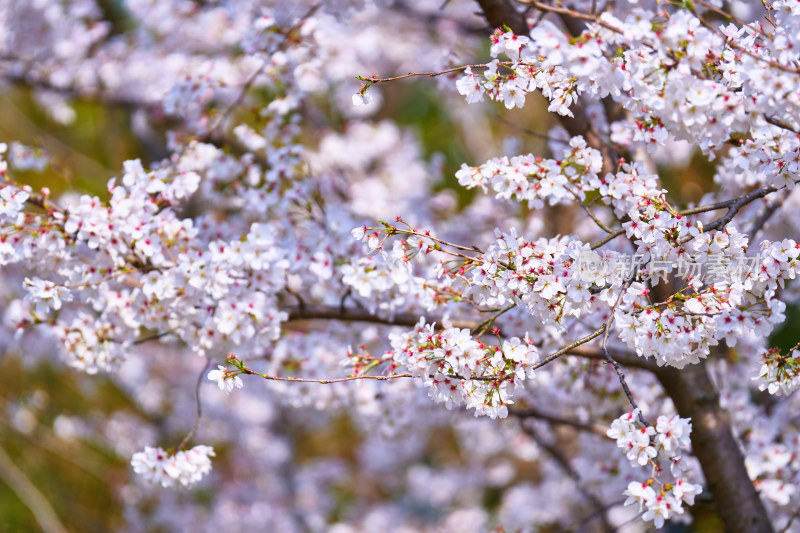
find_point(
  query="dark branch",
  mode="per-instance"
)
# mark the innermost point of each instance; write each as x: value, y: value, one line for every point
x: 320, y: 312
x: 532, y: 412
x: 563, y: 463
x: 738, y: 203
x: 738, y: 504
x: 501, y: 13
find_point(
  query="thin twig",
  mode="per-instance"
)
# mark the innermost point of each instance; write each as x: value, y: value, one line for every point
x: 735, y: 46
x: 613, y: 361
x: 589, y: 212
x: 564, y: 464
x: 393, y: 230
x: 491, y: 378
x: 762, y: 220
x: 610, y: 237
x: 246, y: 370
x: 481, y: 328
x: 431, y: 74
x: 791, y: 520
x: 199, y: 405
x: 572, y: 14
x: 532, y: 412
x: 569, y: 348
x: 733, y: 205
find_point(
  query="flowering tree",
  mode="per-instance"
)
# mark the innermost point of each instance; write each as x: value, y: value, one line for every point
x: 610, y: 334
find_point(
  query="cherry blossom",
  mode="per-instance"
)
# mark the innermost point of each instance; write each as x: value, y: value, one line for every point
x: 451, y: 328
x: 184, y: 467
x: 225, y: 380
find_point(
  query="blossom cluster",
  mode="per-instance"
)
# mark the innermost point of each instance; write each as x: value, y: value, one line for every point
x: 459, y: 370
x: 386, y: 279
x: 553, y: 280
x: 660, y: 447
x: 176, y: 272
x: 696, y: 319
x: 537, y: 180
x: 678, y: 78
x: 184, y: 468
x: 779, y: 374
x: 771, y: 469
x: 543, y: 276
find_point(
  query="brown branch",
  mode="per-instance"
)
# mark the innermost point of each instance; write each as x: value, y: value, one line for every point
x: 431, y: 74
x: 781, y: 124
x: 553, y: 451
x: 501, y: 13
x: 246, y: 370
x: 608, y: 238
x: 738, y: 504
x: 570, y: 348
x: 321, y: 312
x: 532, y: 412
x: 765, y: 216
x: 198, y: 405
x: 629, y: 359
x: 733, y: 205
x: 737, y: 204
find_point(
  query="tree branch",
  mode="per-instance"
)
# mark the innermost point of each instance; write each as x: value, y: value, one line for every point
x: 322, y: 312
x: 563, y: 463
x: 734, y: 205
x: 246, y: 370
x: 501, y: 13
x: 198, y: 407
x: 624, y: 358
x: 577, y: 348
x: 738, y: 504
x: 738, y: 203
x: 532, y: 412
